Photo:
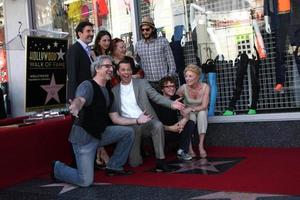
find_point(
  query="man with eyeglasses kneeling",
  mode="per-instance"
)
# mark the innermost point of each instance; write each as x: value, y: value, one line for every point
x: 91, y: 128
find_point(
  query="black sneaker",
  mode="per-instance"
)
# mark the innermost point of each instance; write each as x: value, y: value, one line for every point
x: 52, y: 176
x: 112, y: 172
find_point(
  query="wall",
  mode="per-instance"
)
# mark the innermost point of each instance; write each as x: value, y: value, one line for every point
x: 15, y: 11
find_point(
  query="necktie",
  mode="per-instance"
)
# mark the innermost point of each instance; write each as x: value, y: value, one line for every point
x: 88, y: 51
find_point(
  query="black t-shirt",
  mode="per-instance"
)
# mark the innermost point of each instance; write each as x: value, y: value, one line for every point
x: 166, y: 115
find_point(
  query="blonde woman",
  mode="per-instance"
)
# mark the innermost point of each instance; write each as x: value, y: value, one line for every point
x: 196, y: 99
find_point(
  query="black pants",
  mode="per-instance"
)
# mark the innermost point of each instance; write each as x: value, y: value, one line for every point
x: 242, y: 65
x: 281, y: 33
x: 184, y: 137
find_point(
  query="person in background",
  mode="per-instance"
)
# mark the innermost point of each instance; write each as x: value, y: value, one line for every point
x: 175, y: 129
x: 78, y: 59
x: 154, y: 54
x: 2, y: 105
x: 101, y: 47
x: 196, y: 99
x: 102, y: 44
x: 91, y: 128
x: 118, y: 53
x: 131, y: 100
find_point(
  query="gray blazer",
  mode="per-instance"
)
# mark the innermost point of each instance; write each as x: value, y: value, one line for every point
x: 143, y: 92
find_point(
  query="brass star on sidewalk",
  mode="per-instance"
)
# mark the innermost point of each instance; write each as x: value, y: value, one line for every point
x: 66, y: 187
x: 235, y: 196
x: 202, y: 164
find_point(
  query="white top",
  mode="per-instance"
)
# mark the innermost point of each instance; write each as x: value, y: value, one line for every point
x: 129, y: 106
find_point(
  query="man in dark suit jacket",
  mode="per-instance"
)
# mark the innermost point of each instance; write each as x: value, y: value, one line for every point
x: 131, y: 100
x: 78, y: 58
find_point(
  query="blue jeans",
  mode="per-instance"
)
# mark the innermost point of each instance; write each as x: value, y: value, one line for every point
x: 85, y: 156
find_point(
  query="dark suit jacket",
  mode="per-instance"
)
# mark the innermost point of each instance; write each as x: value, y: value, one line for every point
x: 143, y: 92
x: 78, y: 68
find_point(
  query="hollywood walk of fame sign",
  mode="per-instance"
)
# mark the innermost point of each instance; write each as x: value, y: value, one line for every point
x: 45, y: 73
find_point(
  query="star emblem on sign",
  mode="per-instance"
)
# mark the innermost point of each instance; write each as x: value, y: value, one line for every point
x: 60, y: 54
x: 202, y: 164
x: 52, y: 90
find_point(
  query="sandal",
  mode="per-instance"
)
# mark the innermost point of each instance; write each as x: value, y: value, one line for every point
x: 203, y: 154
x: 192, y: 153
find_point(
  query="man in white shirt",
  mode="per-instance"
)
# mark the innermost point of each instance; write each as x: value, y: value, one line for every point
x: 131, y: 100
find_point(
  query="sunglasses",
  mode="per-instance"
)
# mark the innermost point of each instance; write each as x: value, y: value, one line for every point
x: 145, y: 29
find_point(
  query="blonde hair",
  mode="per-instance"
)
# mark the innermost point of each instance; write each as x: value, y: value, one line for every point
x: 193, y: 68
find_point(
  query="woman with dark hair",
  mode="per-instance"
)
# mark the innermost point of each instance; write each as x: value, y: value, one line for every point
x: 102, y: 44
x: 118, y: 53
x: 101, y: 47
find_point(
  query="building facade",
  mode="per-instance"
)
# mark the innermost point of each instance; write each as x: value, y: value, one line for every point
x: 219, y: 30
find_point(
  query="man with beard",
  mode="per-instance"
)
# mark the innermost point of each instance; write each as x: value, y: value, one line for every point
x: 154, y: 54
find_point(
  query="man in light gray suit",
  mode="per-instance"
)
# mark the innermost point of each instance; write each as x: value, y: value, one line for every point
x: 131, y: 100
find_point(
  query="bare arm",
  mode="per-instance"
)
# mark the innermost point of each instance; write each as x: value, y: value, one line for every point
x: 178, y: 127
x: 76, y: 105
x: 202, y: 106
x: 179, y: 91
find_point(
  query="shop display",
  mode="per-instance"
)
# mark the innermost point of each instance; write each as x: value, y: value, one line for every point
x: 278, y: 17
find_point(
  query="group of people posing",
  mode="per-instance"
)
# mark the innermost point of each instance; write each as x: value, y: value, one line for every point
x: 115, y: 102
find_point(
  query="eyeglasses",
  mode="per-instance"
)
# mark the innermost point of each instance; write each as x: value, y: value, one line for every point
x: 145, y: 29
x: 107, y: 65
x: 169, y: 86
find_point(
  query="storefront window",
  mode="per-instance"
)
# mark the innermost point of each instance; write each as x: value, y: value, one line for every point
x: 220, y: 31
x: 3, y: 66
x: 3, y: 63
x: 64, y: 15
